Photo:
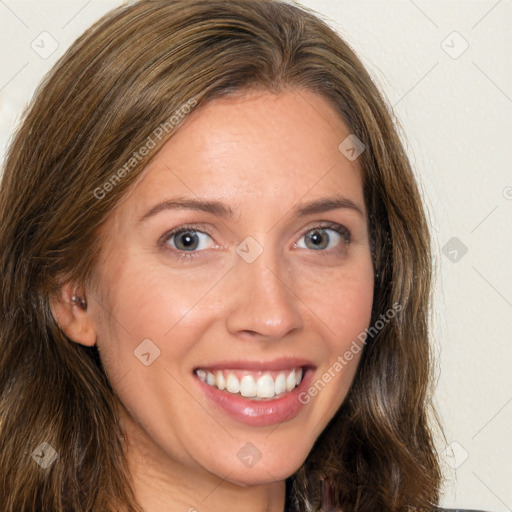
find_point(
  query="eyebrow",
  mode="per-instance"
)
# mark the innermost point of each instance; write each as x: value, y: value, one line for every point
x: 326, y: 204
x: 220, y: 209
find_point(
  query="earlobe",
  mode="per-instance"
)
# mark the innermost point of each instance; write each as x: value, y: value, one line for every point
x: 70, y: 310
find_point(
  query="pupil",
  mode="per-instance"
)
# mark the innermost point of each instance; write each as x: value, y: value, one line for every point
x: 187, y: 240
x: 318, y: 238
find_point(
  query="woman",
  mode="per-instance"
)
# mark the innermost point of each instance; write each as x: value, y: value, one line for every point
x: 216, y: 275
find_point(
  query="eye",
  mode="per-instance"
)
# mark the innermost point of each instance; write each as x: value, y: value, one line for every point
x: 322, y: 238
x: 188, y: 240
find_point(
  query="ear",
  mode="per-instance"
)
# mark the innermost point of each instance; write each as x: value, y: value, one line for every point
x: 69, y: 308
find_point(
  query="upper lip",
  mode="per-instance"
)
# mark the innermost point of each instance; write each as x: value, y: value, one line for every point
x: 287, y: 363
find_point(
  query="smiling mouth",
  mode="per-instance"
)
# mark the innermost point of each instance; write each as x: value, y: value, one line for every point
x: 254, y: 385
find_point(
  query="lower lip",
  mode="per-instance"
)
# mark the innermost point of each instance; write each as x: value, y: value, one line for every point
x: 258, y: 413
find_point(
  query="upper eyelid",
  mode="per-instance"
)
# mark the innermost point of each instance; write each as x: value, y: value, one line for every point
x: 326, y: 224
x: 183, y: 228
x: 200, y: 228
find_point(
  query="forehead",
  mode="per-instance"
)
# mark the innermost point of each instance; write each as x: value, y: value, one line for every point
x: 260, y: 150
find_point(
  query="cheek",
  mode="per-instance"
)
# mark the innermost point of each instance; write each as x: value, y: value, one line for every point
x: 343, y: 305
x: 147, y: 299
x: 351, y: 311
x: 151, y: 316
x: 342, y: 299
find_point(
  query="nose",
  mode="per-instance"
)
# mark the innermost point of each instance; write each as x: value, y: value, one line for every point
x: 263, y: 303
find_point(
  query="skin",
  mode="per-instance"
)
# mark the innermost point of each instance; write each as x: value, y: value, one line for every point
x: 263, y: 155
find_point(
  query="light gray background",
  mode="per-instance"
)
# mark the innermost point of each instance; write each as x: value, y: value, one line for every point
x: 454, y: 105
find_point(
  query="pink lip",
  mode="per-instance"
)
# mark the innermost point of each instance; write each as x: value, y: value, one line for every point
x: 263, y: 412
x: 284, y: 364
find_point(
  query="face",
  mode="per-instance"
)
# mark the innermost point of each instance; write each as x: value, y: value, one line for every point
x: 236, y: 275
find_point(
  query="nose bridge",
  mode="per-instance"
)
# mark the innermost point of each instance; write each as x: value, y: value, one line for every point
x: 264, y: 302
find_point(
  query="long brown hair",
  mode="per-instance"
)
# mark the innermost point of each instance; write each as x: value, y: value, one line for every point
x: 130, y: 77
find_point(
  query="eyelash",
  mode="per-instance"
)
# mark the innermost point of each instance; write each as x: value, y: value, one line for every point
x: 185, y: 255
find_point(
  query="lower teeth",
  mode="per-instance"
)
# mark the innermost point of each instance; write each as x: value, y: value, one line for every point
x: 257, y: 398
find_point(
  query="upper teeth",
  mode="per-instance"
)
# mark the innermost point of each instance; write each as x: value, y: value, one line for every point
x: 250, y: 384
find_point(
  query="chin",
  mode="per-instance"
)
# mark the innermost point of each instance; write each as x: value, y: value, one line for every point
x: 254, y: 467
